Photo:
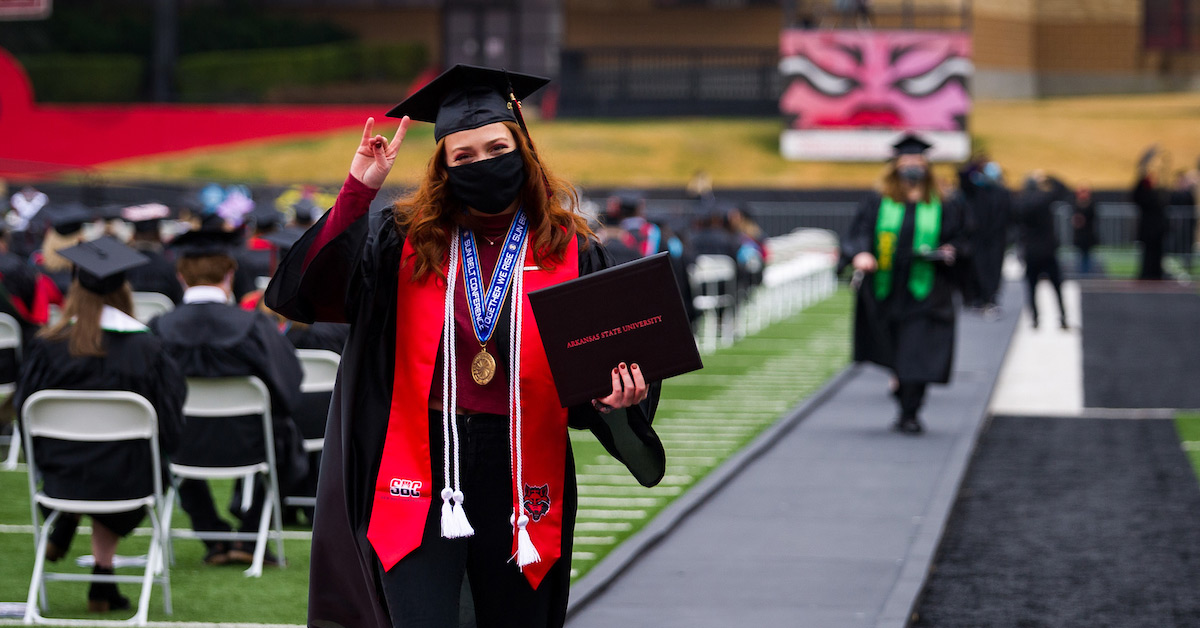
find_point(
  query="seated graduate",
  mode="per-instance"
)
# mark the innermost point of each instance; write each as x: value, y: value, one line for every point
x: 66, y: 230
x: 19, y: 300
x: 98, y: 345
x: 158, y: 273
x: 397, y: 532
x: 209, y: 337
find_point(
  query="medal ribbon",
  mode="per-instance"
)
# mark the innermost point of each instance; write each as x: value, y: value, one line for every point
x: 485, y: 306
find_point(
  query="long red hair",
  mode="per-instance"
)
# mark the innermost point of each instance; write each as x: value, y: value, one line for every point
x: 429, y: 215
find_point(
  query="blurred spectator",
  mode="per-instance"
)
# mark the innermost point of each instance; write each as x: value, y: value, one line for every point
x: 1182, y: 199
x: 700, y: 187
x: 66, y: 230
x: 158, y: 274
x: 26, y: 204
x: 1151, y: 201
x: 1083, y: 226
x: 989, y: 207
x: 752, y: 250
x: 1035, y: 221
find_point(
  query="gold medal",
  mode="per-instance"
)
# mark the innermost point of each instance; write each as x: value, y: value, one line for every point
x: 483, y: 367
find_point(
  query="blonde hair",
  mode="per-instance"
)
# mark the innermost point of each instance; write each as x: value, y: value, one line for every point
x: 54, y: 242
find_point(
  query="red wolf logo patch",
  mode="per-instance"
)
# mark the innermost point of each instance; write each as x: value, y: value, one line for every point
x: 537, y: 501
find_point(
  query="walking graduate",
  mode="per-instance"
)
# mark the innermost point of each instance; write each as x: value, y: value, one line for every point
x: 446, y: 452
x: 902, y: 245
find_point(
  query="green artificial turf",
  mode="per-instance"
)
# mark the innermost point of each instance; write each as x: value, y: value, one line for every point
x: 1188, y: 425
x: 703, y: 418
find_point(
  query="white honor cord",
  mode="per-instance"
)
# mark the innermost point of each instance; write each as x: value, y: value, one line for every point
x: 527, y: 554
x: 454, y: 518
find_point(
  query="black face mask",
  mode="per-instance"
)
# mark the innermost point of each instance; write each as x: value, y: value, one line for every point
x: 489, y: 185
x: 911, y: 174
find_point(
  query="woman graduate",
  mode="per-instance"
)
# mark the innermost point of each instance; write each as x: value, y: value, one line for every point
x: 98, y: 345
x: 904, y: 242
x: 446, y: 451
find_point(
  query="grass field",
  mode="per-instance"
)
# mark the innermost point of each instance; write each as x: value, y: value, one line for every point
x: 1094, y: 139
x: 703, y: 418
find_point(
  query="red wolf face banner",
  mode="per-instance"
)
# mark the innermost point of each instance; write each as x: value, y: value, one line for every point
x: 848, y: 94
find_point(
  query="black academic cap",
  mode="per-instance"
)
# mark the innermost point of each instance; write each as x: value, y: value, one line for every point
x: 70, y: 218
x: 205, y: 243
x: 145, y: 218
x: 283, y: 239
x: 910, y: 144
x: 306, y: 210
x: 266, y: 217
x: 467, y: 97
x: 101, y: 264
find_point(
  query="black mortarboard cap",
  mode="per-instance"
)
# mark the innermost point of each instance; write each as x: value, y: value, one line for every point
x: 145, y: 218
x: 101, y: 264
x: 266, y: 217
x: 205, y: 243
x: 467, y: 97
x: 283, y: 239
x: 910, y: 144
x: 70, y: 218
x: 307, y: 211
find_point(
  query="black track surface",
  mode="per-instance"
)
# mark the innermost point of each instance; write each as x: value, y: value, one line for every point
x: 1083, y: 523
x: 1141, y: 345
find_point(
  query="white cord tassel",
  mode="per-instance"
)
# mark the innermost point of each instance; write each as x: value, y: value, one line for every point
x: 527, y: 553
x: 460, y: 516
x: 454, y: 518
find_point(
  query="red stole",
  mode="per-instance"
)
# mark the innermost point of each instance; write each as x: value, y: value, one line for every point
x: 404, y: 485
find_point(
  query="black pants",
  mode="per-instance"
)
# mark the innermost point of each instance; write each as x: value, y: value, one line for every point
x: 1034, y: 271
x: 910, y: 396
x: 196, y: 500
x: 1152, y: 257
x: 425, y: 589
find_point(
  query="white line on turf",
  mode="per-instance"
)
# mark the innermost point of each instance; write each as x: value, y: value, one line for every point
x: 7, y: 528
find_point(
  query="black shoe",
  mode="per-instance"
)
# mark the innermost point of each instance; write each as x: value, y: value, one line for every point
x: 1065, y: 326
x: 909, y: 425
x: 104, y: 596
x: 58, y: 542
x: 216, y: 554
x: 244, y: 553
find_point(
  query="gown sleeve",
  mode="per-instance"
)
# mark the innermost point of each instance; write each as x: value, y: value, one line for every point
x: 320, y: 276
x: 625, y: 433
x: 167, y: 396
x: 860, y: 237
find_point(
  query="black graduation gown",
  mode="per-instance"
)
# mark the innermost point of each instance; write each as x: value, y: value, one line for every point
x: 134, y: 362
x: 222, y: 340
x: 157, y: 275
x: 353, y: 279
x: 913, y: 338
x: 1035, y: 222
x: 19, y: 283
x: 989, y: 208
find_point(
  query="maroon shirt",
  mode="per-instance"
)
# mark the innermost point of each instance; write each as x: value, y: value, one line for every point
x: 492, y: 398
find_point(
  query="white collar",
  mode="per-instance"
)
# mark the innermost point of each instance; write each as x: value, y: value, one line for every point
x: 112, y: 319
x: 205, y: 294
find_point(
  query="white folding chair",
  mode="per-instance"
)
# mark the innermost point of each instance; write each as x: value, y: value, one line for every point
x: 147, y: 305
x: 214, y: 397
x: 94, y: 416
x: 10, y: 338
x: 320, y: 374
x: 707, y: 276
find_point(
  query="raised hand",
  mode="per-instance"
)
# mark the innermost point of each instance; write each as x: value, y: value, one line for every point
x: 375, y: 155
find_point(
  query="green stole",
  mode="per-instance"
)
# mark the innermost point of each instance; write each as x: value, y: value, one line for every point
x: 927, y: 230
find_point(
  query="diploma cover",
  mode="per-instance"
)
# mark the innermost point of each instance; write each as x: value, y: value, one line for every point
x: 631, y: 313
